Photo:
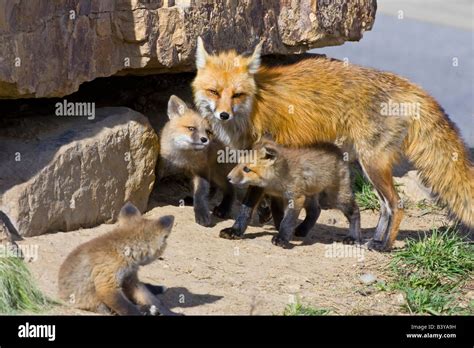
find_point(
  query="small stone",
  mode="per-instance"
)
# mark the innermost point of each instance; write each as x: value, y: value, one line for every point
x: 368, y: 278
x: 365, y: 292
x: 399, y: 298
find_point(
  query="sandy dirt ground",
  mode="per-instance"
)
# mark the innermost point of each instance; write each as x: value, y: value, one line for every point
x: 205, y: 274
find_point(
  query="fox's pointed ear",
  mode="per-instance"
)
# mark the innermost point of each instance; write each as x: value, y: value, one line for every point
x: 201, y: 54
x: 129, y: 211
x: 176, y: 107
x: 255, y: 59
x: 166, y: 222
x: 271, y: 152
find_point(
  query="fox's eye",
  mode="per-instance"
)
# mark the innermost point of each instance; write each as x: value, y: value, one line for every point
x: 191, y: 129
x: 247, y: 169
x: 238, y: 95
x: 213, y: 92
x: 209, y: 132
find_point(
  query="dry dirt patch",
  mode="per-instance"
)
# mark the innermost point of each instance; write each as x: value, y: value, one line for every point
x: 209, y: 275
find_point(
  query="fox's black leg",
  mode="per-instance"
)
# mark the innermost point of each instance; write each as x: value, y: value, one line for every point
x: 155, y: 289
x: 223, y: 210
x: 212, y: 191
x: 264, y: 210
x: 287, y: 226
x: 251, y: 199
x: 351, y: 211
x: 311, y: 205
x: 277, y: 211
x: 201, y: 201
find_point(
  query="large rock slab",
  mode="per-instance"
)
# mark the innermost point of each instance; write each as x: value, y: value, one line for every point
x: 49, y: 48
x: 63, y: 173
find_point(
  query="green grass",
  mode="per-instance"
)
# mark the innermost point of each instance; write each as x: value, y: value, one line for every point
x: 297, y: 309
x: 364, y: 192
x: 424, y: 205
x: 432, y: 270
x: 18, y: 293
x: 427, y: 207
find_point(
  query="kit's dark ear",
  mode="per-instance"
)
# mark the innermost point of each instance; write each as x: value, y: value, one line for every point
x: 129, y: 211
x: 271, y: 152
x: 176, y: 107
x: 165, y: 222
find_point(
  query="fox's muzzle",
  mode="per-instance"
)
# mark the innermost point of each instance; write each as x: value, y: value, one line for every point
x: 224, y: 116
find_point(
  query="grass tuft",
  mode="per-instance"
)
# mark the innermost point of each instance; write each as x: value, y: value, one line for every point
x: 430, y: 271
x: 297, y: 309
x: 364, y: 192
x: 18, y: 293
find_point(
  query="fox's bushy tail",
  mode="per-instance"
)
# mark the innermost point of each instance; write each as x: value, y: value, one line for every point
x: 435, y: 148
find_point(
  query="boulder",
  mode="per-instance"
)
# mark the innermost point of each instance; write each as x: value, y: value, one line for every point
x: 49, y: 48
x: 63, y: 173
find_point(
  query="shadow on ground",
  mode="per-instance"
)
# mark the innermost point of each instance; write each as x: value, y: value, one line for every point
x: 180, y: 297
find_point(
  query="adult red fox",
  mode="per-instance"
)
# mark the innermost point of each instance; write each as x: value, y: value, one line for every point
x: 318, y: 99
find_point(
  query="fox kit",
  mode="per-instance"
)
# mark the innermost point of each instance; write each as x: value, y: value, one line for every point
x: 101, y: 274
x: 297, y: 178
x: 382, y: 115
x: 187, y: 143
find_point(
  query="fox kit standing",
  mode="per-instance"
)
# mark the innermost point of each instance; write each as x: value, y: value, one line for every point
x: 318, y: 100
x: 300, y: 178
x: 101, y: 274
x: 187, y: 143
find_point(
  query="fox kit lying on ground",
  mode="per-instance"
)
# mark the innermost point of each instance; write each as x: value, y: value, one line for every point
x: 187, y: 143
x: 295, y: 178
x: 382, y: 115
x: 101, y: 274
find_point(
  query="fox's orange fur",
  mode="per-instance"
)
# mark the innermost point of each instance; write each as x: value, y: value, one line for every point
x: 101, y: 274
x: 318, y: 99
x: 188, y: 144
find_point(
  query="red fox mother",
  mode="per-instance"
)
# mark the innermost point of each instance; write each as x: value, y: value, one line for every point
x: 318, y: 100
